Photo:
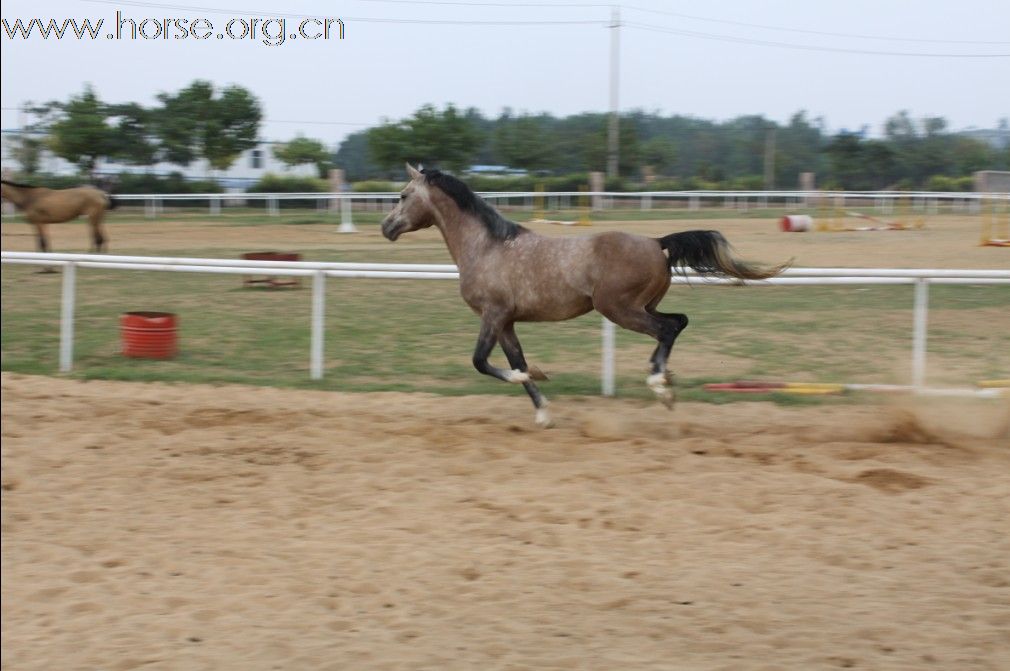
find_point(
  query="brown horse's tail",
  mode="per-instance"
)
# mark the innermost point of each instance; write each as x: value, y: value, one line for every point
x: 708, y: 253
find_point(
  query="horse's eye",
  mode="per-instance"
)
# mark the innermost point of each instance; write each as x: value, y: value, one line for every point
x: 403, y: 196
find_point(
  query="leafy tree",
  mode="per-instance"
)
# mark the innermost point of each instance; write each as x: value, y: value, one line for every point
x: 523, y: 141
x: 303, y: 150
x: 133, y: 142
x: 354, y: 157
x: 430, y: 138
x: 27, y: 146
x: 81, y: 133
x: 660, y: 152
x: 197, y: 122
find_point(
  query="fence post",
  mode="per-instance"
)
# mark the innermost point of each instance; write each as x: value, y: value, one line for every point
x: 346, y: 218
x: 919, y: 315
x: 607, y: 374
x: 215, y: 205
x: 67, y: 301
x: 272, y: 206
x: 317, y: 330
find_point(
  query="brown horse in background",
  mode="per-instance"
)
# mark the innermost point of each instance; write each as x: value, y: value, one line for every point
x: 42, y: 206
x: 509, y: 274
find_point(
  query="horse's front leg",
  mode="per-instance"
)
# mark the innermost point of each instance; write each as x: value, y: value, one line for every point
x: 514, y: 352
x: 490, y: 329
x: 42, y: 239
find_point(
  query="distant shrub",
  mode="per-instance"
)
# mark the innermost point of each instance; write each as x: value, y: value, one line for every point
x: 375, y: 185
x: 947, y: 183
x: 695, y: 183
x: 271, y: 183
x: 747, y: 183
x: 664, y: 184
x: 52, y: 181
x: 126, y: 182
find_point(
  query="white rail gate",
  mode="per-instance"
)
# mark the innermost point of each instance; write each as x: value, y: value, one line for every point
x: 919, y: 278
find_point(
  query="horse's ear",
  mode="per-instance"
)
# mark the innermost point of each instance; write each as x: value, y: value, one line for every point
x: 412, y: 172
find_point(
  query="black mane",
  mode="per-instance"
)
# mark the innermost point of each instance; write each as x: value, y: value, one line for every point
x: 18, y: 184
x: 497, y: 226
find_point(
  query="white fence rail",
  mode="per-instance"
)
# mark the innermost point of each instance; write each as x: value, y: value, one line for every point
x: 883, y: 201
x: 319, y: 271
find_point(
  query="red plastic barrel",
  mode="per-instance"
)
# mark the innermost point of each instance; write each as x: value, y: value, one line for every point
x: 796, y: 223
x: 149, y: 335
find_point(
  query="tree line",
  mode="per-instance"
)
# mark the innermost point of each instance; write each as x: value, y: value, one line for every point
x: 747, y: 152
x: 198, y: 122
x: 217, y: 124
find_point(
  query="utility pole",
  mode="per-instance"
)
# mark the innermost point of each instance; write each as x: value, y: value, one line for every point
x: 770, y: 158
x: 615, y: 49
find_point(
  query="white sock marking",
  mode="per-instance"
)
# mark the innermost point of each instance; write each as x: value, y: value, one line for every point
x: 517, y: 376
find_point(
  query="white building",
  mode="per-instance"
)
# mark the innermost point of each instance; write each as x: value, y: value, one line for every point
x: 247, y: 169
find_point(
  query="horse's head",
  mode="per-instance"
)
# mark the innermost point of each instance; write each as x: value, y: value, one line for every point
x: 415, y: 209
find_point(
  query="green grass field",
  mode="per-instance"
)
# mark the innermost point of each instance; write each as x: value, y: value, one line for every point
x: 418, y: 335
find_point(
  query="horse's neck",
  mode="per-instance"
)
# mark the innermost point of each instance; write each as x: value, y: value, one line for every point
x: 20, y: 197
x: 464, y: 235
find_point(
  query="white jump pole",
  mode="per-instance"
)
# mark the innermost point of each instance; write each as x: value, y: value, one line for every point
x: 67, y: 301
x: 346, y: 220
x: 607, y: 374
x: 318, y: 312
x: 920, y: 312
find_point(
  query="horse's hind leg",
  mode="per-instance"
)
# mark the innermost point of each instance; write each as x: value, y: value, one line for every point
x: 664, y: 330
x: 42, y: 237
x: 98, y: 238
x: 514, y: 353
x: 673, y: 324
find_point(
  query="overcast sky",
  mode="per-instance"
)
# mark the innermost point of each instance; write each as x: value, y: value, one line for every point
x: 843, y: 61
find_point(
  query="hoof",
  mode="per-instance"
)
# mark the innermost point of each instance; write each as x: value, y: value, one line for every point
x: 516, y: 376
x: 543, y: 419
x: 537, y: 374
x: 657, y: 382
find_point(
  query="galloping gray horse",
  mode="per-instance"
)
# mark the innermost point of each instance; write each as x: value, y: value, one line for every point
x: 509, y: 274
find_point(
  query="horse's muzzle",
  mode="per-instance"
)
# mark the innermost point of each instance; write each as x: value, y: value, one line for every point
x: 392, y: 229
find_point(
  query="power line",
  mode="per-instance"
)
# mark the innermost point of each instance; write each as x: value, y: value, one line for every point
x: 319, y: 123
x: 560, y: 5
x: 803, y: 47
x: 457, y: 3
x: 809, y: 32
x: 356, y: 19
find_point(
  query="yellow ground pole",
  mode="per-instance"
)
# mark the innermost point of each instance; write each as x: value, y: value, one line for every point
x: 538, y: 203
x: 584, y: 207
x: 996, y: 224
x: 906, y: 214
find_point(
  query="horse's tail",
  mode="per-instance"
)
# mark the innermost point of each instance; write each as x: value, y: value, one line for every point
x: 708, y: 253
x: 112, y: 202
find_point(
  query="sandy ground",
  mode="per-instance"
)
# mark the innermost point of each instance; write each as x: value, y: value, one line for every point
x: 194, y: 527
x: 165, y: 526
